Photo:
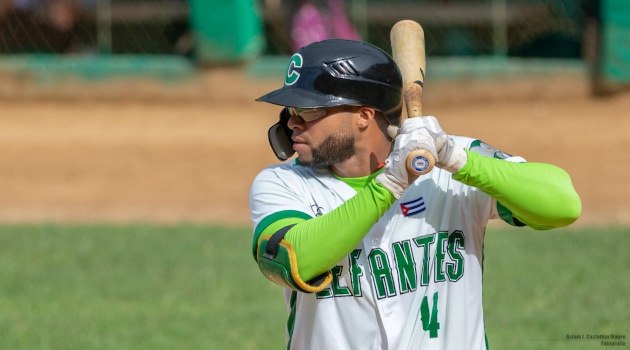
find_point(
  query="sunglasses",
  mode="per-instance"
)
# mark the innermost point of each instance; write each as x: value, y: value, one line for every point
x: 307, y: 114
x: 312, y: 114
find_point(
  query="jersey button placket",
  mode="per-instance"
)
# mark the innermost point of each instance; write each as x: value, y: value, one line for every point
x: 376, y: 239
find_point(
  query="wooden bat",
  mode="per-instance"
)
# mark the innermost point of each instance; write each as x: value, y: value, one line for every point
x: 407, y: 39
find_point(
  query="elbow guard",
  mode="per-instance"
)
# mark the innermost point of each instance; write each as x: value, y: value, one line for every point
x: 278, y: 262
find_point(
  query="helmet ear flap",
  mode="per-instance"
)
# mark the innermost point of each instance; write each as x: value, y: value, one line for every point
x: 279, y: 136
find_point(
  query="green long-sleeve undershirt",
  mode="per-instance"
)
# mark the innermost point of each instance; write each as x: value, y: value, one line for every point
x: 539, y: 195
x: 321, y: 242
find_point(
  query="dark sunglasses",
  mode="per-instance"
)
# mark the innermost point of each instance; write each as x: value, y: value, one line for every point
x: 307, y: 114
x: 312, y: 114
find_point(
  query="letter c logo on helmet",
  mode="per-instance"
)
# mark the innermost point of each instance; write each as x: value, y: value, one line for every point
x: 292, y: 74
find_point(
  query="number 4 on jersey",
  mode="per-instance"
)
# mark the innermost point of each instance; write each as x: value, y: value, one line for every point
x: 430, y: 319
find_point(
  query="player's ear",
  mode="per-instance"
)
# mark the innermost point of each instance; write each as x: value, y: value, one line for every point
x: 365, y: 116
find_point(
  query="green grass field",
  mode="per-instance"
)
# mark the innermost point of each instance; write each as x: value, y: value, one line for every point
x: 197, y: 287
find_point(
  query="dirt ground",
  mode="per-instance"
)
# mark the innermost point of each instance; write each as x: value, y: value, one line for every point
x: 127, y: 152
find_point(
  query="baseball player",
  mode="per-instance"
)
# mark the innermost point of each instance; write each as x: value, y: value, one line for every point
x: 369, y: 256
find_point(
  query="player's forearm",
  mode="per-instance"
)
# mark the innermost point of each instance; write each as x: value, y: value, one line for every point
x: 539, y: 195
x: 298, y: 252
x: 321, y: 242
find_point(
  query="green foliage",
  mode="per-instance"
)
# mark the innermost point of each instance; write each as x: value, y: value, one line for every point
x: 198, y: 287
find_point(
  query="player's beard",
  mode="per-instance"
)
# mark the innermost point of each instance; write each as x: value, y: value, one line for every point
x: 333, y: 150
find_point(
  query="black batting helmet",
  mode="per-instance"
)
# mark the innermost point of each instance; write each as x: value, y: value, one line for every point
x: 338, y: 72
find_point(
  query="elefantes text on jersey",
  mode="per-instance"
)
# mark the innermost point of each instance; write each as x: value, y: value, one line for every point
x: 446, y: 263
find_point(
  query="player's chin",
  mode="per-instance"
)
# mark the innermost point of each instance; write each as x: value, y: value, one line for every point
x: 304, y: 152
x: 305, y: 160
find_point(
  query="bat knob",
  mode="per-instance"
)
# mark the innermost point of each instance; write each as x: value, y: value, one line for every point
x: 420, y: 162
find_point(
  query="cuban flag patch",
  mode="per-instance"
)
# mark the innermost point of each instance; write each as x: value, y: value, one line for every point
x: 413, y: 207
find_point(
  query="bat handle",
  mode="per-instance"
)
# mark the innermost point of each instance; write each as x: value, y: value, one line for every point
x: 420, y: 162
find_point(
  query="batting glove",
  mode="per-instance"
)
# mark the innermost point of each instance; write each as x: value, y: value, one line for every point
x: 449, y: 157
x: 395, y: 176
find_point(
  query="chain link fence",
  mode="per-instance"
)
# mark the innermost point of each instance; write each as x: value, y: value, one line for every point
x: 95, y: 26
x: 453, y: 27
x: 527, y: 28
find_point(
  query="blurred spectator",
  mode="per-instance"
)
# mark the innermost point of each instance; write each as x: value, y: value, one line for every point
x: 179, y: 33
x: 316, y: 21
x: 63, y: 14
x: 40, y: 25
x: 592, y: 29
x: 6, y: 6
x: 592, y: 45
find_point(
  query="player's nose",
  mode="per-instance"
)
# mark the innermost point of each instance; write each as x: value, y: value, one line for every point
x: 295, y: 122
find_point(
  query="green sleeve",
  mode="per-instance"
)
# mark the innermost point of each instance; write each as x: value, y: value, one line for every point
x: 321, y: 242
x: 539, y: 195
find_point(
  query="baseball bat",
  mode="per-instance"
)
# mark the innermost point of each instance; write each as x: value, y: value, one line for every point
x: 407, y: 39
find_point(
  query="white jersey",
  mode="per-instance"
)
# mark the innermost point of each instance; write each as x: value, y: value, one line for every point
x: 414, y: 282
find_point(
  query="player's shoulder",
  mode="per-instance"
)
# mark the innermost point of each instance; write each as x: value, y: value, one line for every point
x: 463, y: 141
x: 482, y: 148
x: 288, y: 169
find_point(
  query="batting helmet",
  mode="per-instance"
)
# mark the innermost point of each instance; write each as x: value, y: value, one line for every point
x: 338, y: 72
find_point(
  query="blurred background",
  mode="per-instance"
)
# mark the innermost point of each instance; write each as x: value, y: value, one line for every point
x: 162, y: 91
x: 210, y: 33
x: 129, y: 138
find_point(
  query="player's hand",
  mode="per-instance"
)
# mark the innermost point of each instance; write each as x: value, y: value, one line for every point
x: 395, y: 176
x: 449, y: 157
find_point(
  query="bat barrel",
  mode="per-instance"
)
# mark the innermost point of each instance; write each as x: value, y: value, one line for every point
x: 407, y: 39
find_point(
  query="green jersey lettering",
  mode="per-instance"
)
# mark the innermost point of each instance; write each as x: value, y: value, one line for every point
x: 406, y: 266
x: 430, y: 319
x: 355, y: 272
x: 425, y: 243
x: 456, y: 243
x: 324, y: 293
x: 440, y: 252
x: 337, y: 289
x: 381, y: 274
x: 449, y: 264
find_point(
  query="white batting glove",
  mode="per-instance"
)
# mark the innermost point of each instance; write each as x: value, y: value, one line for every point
x: 395, y: 176
x: 449, y: 157
x: 424, y: 122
